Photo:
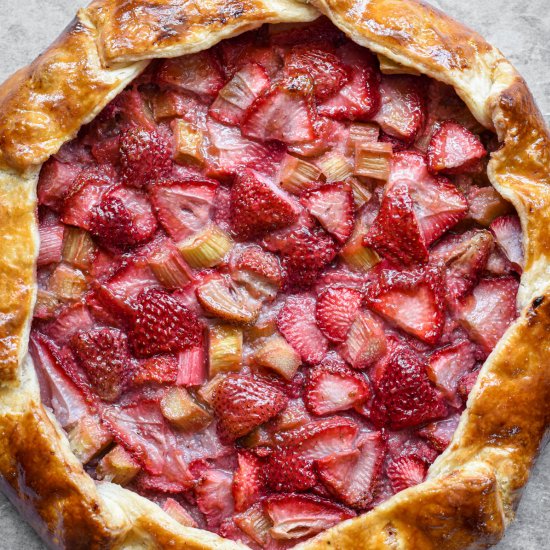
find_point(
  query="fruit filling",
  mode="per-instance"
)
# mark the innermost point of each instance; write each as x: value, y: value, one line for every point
x: 269, y: 274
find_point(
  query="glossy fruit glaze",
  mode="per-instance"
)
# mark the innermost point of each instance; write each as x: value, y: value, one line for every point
x: 268, y: 277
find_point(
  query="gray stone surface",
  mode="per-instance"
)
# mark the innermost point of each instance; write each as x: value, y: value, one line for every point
x: 520, y: 29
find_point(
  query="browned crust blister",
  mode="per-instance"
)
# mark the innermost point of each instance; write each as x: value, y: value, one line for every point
x: 473, y: 487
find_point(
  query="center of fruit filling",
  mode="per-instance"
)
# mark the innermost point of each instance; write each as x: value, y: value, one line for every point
x: 269, y: 274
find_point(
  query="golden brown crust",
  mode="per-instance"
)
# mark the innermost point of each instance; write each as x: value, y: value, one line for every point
x: 473, y: 487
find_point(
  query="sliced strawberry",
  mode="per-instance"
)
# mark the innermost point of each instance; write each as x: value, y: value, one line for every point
x: 145, y: 157
x: 57, y: 390
x: 405, y: 472
x: 320, y: 438
x: 199, y: 73
x: 162, y: 324
x: 403, y: 390
x: 447, y: 366
x: 145, y: 434
x: 103, y: 353
x: 239, y: 93
x: 297, y: 516
x: 55, y: 181
x: 326, y: 70
x: 412, y: 300
x: 214, y: 497
x: 333, y: 207
x: 88, y: 189
x: 454, y: 150
x: 396, y: 233
x: 489, y: 310
x: 352, y: 475
x: 183, y: 208
x: 258, y: 207
x: 160, y: 369
x: 119, y: 293
x: 305, y: 253
x: 296, y: 321
x: 465, y: 257
x: 365, y: 342
x: 254, y: 259
x: 507, y: 232
x: 437, y: 203
x: 359, y: 98
x: 248, y: 481
x: 288, y: 472
x: 439, y: 434
x: 331, y: 389
x: 72, y: 319
x: 336, y: 310
x: 402, y: 111
x: 466, y: 384
x: 243, y: 402
x: 321, y: 30
x: 285, y: 113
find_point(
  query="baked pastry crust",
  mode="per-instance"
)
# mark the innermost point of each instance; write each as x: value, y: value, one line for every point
x: 473, y: 487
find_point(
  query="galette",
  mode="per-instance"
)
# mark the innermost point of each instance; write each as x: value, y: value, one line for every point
x: 273, y: 275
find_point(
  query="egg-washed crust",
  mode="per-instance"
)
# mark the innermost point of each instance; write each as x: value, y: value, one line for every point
x: 473, y: 487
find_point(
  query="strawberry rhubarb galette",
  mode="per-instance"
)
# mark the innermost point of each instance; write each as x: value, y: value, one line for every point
x: 273, y: 280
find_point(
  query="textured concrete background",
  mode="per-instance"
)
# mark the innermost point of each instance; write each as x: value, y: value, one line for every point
x: 520, y: 29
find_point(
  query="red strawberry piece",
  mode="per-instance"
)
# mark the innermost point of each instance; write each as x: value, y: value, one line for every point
x: 489, y: 310
x: 296, y: 321
x: 365, y: 342
x: 326, y: 70
x: 329, y: 134
x: 258, y: 206
x: 243, y: 402
x: 107, y: 150
x: 161, y: 484
x: 319, y: 31
x: 336, y: 310
x: 395, y: 233
x: 131, y: 107
x: 162, y: 324
x: 160, y: 369
x: 199, y: 73
x: 439, y: 434
x: 352, y: 475
x: 254, y: 259
x: 466, y: 384
x: 119, y: 293
x: 248, y: 481
x: 340, y: 276
x: 402, y: 111
x: 412, y: 300
x: 305, y: 253
x: 498, y: 263
x: 507, y: 232
x: 333, y: 207
x: 145, y: 157
x: 239, y: 93
x: 234, y: 152
x: 55, y: 181
x: 437, y: 203
x: 57, y: 389
x: 72, y: 319
x: 359, y: 98
x: 191, y: 366
x: 320, y: 438
x: 103, y: 353
x: 448, y: 365
x: 183, y: 208
x: 454, y: 150
x: 298, y: 516
x: 288, y: 472
x: 51, y: 243
x: 403, y: 390
x: 405, y: 472
x: 284, y: 113
x: 88, y: 190
x: 331, y: 389
x: 214, y: 497
x: 465, y: 257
